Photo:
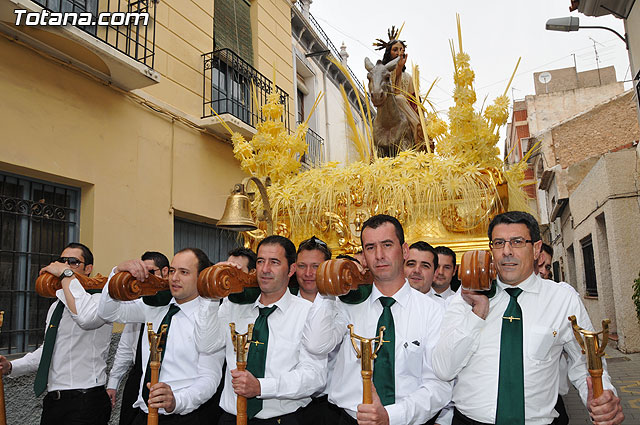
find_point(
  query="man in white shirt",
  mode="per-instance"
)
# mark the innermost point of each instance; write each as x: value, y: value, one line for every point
x: 505, y: 350
x: 187, y: 377
x: 71, y: 363
x: 544, y: 261
x: 311, y: 253
x: 420, y: 266
x: 281, y: 375
x: 444, y: 272
x: 405, y: 389
x: 128, y: 357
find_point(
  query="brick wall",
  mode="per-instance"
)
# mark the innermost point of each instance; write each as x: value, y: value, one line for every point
x: 600, y: 130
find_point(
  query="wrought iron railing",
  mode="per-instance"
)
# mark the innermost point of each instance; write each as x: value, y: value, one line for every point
x: 228, y: 82
x: 131, y: 23
x: 314, y: 157
x: 334, y: 50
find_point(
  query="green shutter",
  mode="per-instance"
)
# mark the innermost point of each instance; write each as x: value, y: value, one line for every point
x: 232, y: 27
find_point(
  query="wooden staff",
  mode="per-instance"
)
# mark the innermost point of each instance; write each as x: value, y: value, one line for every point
x: 476, y: 271
x: 240, y: 345
x: 339, y: 276
x: 594, y: 350
x: 3, y: 412
x: 47, y: 284
x: 367, y: 352
x: 122, y: 286
x: 220, y: 280
x: 156, y: 341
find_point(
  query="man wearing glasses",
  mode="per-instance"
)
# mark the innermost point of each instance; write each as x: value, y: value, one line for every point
x: 128, y: 353
x: 71, y: 364
x: 504, y: 350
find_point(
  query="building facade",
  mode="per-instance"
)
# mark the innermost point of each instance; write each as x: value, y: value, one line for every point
x: 108, y: 138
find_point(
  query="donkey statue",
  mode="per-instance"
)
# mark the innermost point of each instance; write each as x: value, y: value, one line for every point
x: 392, y: 131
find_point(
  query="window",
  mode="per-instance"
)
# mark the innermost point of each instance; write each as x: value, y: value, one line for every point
x: 216, y: 243
x: 37, y: 220
x: 76, y: 6
x: 231, y: 91
x: 589, y: 267
x: 232, y: 27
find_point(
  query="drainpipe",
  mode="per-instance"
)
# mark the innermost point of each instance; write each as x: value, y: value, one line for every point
x: 327, y: 144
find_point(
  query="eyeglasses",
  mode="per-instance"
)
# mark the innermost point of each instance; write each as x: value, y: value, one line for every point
x: 72, y: 261
x: 154, y: 271
x: 518, y: 242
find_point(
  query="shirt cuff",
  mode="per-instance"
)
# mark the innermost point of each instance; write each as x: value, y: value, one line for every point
x: 112, y: 384
x: 268, y: 387
x: 76, y: 290
x: 396, y: 414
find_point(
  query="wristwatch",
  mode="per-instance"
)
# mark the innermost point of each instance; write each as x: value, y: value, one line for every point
x: 66, y: 273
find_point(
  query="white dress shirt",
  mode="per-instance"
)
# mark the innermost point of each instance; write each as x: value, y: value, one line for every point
x: 193, y: 376
x: 292, y: 374
x: 469, y: 348
x: 79, y: 358
x: 419, y: 393
x: 125, y: 354
x: 442, y: 298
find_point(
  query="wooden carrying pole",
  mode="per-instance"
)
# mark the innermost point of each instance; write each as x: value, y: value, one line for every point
x: 240, y: 345
x: 155, y: 358
x: 594, y: 350
x: 366, y: 351
x: 3, y: 412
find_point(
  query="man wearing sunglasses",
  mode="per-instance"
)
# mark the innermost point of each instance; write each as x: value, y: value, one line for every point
x: 505, y: 350
x: 311, y: 253
x: 71, y: 364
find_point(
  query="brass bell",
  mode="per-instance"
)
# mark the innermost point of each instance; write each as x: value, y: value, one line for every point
x: 237, y: 212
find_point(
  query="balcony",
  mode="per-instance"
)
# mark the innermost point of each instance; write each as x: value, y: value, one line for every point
x: 121, y: 51
x: 228, y: 82
x: 314, y: 158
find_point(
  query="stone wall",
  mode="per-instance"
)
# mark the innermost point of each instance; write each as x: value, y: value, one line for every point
x: 596, y: 131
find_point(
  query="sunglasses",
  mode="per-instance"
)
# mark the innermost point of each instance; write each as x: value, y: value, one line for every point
x: 314, y: 240
x: 72, y: 261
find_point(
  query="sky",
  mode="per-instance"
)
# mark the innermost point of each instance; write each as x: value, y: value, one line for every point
x: 495, y: 34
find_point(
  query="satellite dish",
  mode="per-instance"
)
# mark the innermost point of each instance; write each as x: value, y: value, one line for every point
x: 544, y: 77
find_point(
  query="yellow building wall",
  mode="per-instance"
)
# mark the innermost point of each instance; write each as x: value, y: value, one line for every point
x: 136, y: 167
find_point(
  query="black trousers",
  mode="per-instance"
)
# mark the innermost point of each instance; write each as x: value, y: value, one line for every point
x: 192, y: 418
x: 563, y: 419
x: 460, y: 419
x: 76, y: 407
x: 318, y: 412
x: 288, y: 419
x: 343, y: 418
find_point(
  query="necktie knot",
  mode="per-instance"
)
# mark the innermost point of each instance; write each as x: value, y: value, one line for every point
x: 173, y: 309
x: 514, y: 292
x: 387, y: 301
x: 266, y: 311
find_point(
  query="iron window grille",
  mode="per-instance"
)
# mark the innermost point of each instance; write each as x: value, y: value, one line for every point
x: 591, y: 284
x: 228, y: 81
x: 37, y: 220
x: 135, y: 40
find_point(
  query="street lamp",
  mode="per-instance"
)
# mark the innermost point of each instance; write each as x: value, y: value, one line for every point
x: 572, y: 23
x: 237, y: 211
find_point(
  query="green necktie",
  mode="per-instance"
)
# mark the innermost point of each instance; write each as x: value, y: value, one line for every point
x: 42, y: 377
x: 384, y: 364
x: 173, y: 309
x: 510, y: 410
x: 257, y: 357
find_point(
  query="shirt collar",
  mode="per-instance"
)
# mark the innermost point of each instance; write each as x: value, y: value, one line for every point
x: 402, y: 296
x: 188, y: 308
x: 282, y: 303
x: 530, y: 284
